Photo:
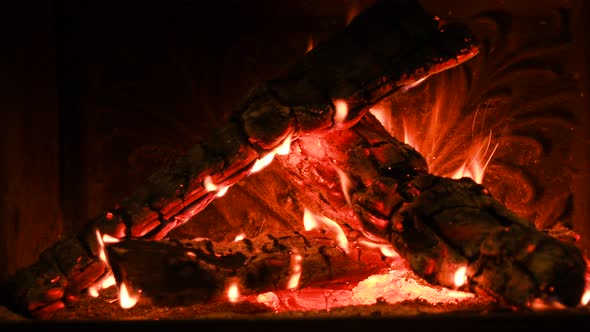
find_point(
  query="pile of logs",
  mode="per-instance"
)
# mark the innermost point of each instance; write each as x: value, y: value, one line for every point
x: 314, y: 122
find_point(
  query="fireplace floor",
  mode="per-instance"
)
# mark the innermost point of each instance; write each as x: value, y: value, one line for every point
x: 477, y: 314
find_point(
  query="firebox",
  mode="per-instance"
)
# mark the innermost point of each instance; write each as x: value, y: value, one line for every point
x: 295, y: 163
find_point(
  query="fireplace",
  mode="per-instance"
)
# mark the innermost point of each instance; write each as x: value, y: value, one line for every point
x: 126, y: 88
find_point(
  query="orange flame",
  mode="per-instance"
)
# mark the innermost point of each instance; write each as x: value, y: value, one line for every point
x: 104, y: 283
x: 345, y: 183
x: 312, y: 221
x: 240, y: 237
x: 386, y: 249
x: 341, y: 112
x: 126, y: 299
x: 109, y: 239
x: 283, y: 149
x: 460, y: 276
x: 295, y: 267
x: 210, y: 186
x: 309, y: 45
x: 432, y: 138
x: 102, y: 255
x: 233, y: 292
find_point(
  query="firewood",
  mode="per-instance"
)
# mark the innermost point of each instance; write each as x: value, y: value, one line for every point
x: 387, y: 47
x: 196, y: 271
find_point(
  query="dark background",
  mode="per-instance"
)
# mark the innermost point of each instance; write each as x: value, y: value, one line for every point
x: 98, y: 94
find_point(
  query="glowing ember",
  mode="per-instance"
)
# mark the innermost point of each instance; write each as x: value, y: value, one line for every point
x: 109, y: 239
x: 295, y: 271
x: 460, y: 276
x: 233, y: 292
x: 210, y: 186
x: 540, y: 304
x: 126, y: 300
x: 104, y: 283
x: 240, y: 237
x: 400, y: 285
x: 191, y: 254
x: 345, y: 183
x: 586, y: 297
x: 270, y: 299
x: 341, y: 112
x: 312, y: 221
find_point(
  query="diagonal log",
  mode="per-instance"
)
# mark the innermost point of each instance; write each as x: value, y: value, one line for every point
x: 389, y: 46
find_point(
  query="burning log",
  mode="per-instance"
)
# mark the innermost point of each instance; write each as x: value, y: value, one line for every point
x: 196, y: 271
x: 450, y: 231
x: 385, y: 48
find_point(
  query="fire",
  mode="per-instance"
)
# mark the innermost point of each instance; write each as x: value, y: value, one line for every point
x: 210, y: 186
x: 309, y: 45
x: 109, y: 239
x: 312, y: 221
x: 586, y: 297
x: 240, y: 237
x: 102, y: 255
x: 345, y: 183
x: 295, y: 267
x: 283, y: 149
x: 104, y: 283
x: 448, y: 154
x: 351, y: 14
x: 386, y: 249
x: 341, y: 113
x: 478, y: 163
x: 126, y: 299
x: 233, y: 292
x: 394, y: 286
x: 460, y: 276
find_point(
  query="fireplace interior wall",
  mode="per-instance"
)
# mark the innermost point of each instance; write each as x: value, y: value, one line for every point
x: 101, y: 94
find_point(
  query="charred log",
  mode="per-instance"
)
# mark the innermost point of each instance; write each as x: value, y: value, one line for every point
x: 196, y: 271
x: 385, y: 48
